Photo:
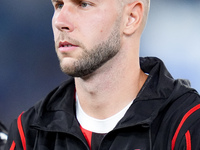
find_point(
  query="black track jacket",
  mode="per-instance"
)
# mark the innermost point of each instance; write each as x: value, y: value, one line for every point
x: 164, y: 116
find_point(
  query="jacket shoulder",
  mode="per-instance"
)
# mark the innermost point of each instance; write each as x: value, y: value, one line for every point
x: 27, y: 118
x: 187, y: 130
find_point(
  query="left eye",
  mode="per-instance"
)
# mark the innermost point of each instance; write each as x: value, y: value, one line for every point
x: 84, y: 4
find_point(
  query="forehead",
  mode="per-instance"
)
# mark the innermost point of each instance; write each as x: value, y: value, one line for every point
x: 111, y: 3
x: 72, y: 0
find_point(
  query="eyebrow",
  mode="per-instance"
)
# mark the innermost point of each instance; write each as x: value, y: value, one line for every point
x: 55, y: 0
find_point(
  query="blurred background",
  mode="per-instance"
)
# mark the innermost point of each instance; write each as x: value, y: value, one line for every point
x: 29, y: 65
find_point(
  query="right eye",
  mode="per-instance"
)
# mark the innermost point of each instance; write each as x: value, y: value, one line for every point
x: 59, y: 5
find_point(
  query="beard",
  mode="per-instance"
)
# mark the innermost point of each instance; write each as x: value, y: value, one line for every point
x: 92, y: 59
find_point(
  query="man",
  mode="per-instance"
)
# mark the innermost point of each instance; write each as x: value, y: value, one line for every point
x: 116, y: 100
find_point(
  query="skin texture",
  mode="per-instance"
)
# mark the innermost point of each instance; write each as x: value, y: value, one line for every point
x: 104, y: 51
x: 92, y: 50
x: 91, y: 59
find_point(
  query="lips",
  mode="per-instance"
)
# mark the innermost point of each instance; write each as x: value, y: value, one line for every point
x: 66, y: 44
x: 65, y: 47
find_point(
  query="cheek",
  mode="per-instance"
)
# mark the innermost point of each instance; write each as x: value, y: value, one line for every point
x: 55, y: 30
x: 99, y: 26
x: 53, y: 22
x: 55, y: 33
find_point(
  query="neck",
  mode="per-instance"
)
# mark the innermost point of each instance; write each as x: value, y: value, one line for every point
x: 110, y: 88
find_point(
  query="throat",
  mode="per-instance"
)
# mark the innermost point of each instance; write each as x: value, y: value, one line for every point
x: 98, y: 125
x: 102, y: 98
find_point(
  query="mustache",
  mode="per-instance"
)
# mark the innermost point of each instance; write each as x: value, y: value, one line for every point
x: 64, y: 37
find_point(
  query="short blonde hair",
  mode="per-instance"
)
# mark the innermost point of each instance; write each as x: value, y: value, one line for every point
x: 146, y: 11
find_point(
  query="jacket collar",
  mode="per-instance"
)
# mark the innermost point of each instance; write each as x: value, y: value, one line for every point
x: 159, y: 90
x: 57, y: 111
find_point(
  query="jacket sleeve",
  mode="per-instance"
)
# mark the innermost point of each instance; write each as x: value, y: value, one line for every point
x: 190, y: 140
x: 187, y: 136
x: 14, y: 140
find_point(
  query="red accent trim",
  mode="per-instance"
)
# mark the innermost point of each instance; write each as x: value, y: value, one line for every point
x: 190, y: 112
x: 21, y: 132
x: 88, y: 136
x: 13, y: 146
x: 188, y: 140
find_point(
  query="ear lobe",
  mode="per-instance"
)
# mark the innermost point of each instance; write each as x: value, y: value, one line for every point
x: 134, y: 17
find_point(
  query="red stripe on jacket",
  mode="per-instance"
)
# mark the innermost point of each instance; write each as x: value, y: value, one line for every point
x: 189, y: 113
x: 21, y: 131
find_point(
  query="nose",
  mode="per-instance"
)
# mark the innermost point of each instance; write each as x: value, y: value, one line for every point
x: 62, y: 19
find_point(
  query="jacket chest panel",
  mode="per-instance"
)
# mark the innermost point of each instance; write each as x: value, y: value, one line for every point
x: 136, y: 138
x: 58, y: 141
x: 128, y: 139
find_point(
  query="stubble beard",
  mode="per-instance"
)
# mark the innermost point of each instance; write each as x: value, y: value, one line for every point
x: 94, y: 58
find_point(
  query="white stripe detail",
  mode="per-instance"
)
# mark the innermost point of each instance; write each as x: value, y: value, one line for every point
x: 98, y: 125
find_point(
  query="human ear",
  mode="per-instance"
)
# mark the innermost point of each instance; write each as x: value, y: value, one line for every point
x: 134, y: 16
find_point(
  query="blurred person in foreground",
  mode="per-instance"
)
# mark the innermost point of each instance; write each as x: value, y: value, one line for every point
x: 3, y: 136
x: 114, y: 100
